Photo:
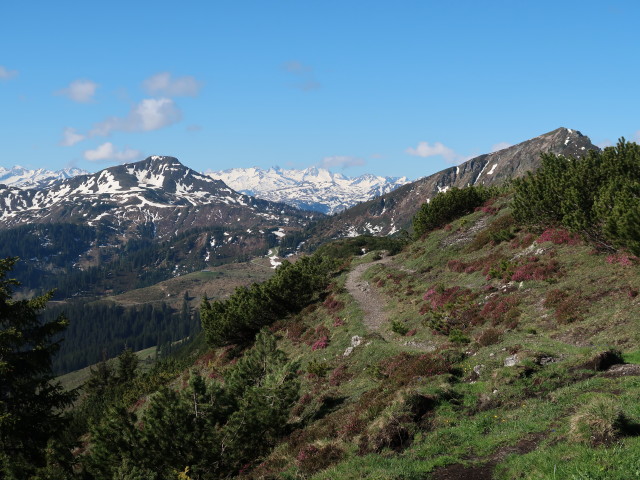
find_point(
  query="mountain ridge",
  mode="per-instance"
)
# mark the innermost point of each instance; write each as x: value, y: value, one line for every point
x: 394, y: 211
x: 158, y: 190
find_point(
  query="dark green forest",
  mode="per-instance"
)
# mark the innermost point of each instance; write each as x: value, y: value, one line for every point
x: 104, y: 329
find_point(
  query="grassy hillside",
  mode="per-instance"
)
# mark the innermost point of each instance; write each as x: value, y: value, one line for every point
x: 77, y: 378
x: 214, y: 282
x: 483, y: 350
x: 491, y: 360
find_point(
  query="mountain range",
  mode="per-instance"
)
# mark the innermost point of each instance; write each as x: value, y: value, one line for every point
x: 314, y: 188
x: 35, y: 178
x: 158, y: 192
x: 189, y: 220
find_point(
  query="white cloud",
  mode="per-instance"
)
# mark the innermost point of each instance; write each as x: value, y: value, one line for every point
x: 107, y: 151
x: 607, y: 143
x: 304, y: 73
x: 424, y: 149
x: 6, y: 74
x: 341, y: 161
x: 163, y: 84
x: 150, y: 114
x: 637, y: 138
x: 71, y: 137
x: 500, y: 146
x: 81, y: 91
x: 294, y: 66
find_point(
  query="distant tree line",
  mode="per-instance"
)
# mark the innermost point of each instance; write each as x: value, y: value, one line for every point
x: 98, y: 329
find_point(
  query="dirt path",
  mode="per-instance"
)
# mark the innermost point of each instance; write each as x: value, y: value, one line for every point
x: 372, y: 304
x: 369, y: 300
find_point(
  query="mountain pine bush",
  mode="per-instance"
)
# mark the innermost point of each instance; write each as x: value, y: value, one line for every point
x: 293, y: 287
x: 597, y: 196
x: 449, y: 205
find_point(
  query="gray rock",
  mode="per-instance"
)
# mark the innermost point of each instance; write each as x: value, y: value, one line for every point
x: 511, y: 361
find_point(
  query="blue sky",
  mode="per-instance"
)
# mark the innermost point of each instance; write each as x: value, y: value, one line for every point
x: 392, y: 88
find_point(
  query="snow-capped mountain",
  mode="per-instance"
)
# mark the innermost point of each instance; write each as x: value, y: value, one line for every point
x: 18, y: 176
x: 158, y: 193
x: 310, y: 189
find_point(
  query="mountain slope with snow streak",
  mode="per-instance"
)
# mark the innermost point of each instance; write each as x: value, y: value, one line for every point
x: 394, y: 211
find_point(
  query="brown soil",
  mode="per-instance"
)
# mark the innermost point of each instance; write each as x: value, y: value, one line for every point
x: 484, y: 471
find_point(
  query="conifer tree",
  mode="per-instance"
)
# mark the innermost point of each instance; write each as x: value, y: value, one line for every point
x: 127, y: 366
x: 31, y: 404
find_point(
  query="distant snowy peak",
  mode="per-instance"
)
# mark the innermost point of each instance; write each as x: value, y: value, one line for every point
x: 18, y: 176
x: 310, y: 189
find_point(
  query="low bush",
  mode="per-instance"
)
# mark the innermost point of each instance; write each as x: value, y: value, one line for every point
x: 404, y: 368
x: 396, y: 434
x: 456, y: 336
x: 567, y: 307
x: 312, y: 458
x: 601, y: 421
x: 559, y: 236
x: 502, y: 229
x: 319, y: 369
x: 399, y: 327
x: 489, y: 336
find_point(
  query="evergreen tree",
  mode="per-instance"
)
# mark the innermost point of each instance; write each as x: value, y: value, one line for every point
x: 127, y: 366
x: 239, y: 318
x: 209, y: 429
x: 101, y: 378
x: 31, y: 404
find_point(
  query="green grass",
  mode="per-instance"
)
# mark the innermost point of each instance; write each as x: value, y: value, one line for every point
x: 75, y: 379
x: 632, y: 357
